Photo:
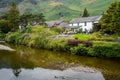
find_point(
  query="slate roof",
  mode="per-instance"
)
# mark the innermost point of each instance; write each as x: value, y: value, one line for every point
x: 60, y: 23
x: 52, y: 23
x: 86, y: 19
x: 64, y: 24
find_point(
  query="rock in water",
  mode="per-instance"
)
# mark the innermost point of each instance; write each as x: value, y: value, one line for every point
x: 2, y: 47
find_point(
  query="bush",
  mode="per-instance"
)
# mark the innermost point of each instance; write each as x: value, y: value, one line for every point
x: 81, y: 49
x: 75, y: 42
x: 41, y: 36
x: 58, y: 30
x: 37, y: 37
x: 2, y: 35
x: 101, y: 37
x: 4, y: 26
x: 13, y: 37
x: 105, y: 49
x: 57, y: 44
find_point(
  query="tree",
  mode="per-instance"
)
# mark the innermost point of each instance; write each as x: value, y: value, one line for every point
x: 85, y: 13
x: 40, y: 18
x: 26, y: 18
x: 29, y: 18
x: 13, y: 16
x: 111, y: 19
x: 4, y: 26
x: 4, y: 16
x: 96, y: 27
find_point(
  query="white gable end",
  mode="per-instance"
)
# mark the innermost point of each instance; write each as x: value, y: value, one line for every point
x: 85, y: 23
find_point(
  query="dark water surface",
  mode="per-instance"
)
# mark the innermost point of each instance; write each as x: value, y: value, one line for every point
x: 35, y: 64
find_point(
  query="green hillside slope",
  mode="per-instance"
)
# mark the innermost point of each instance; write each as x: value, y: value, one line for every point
x: 63, y: 9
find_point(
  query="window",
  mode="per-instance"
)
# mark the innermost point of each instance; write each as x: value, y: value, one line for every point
x: 85, y: 24
x: 70, y: 24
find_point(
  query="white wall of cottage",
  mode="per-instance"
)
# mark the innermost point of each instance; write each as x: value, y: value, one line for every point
x: 88, y: 25
x: 70, y: 24
x: 75, y: 24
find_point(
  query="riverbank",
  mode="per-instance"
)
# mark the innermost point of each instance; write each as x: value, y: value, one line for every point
x: 40, y: 37
x: 32, y: 60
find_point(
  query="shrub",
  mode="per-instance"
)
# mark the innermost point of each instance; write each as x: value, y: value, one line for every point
x: 29, y: 29
x: 2, y: 35
x: 58, y: 30
x: 41, y: 36
x: 101, y: 37
x: 57, y: 44
x: 4, y: 26
x: 75, y: 42
x: 13, y: 37
x: 105, y: 49
x: 81, y: 49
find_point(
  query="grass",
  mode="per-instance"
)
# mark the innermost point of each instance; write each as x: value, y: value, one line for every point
x: 82, y: 36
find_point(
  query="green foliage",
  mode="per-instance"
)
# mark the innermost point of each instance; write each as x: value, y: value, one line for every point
x: 57, y: 44
x: 4, y: 16
x: 58, y: 30
x: 13, y: 37
x: 41, y: 37
x: 105, y: 49
x: 2, y: 35
x: 29, y: 18
x: 81, y: 49
x: 37, y: 36
x: 111, y: 19
x: 38, y: 29
x: 13, y: 16
x: 98, y: 36
x: 29, y: 29
x: 96, y: 27
x: 85, y: 13
x: 4, y: 26
x: 82, y: 36
x: 26, y: 18
x: 39, y: 18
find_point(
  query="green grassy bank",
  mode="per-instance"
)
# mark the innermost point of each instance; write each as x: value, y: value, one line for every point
x: 41, y: 37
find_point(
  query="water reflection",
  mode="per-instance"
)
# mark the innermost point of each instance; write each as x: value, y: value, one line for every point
x: 17, y: 72
x: 48, y: 74
x: 34, y: 64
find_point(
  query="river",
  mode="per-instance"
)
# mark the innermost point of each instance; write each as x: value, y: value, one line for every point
x: 36, y: 64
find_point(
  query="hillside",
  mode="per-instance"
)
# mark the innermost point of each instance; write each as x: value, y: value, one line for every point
x: 59, y: 9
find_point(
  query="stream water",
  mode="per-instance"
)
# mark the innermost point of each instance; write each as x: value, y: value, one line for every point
x: 37, y: 64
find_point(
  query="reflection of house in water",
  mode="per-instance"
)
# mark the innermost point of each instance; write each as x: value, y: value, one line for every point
x: 85, y: 23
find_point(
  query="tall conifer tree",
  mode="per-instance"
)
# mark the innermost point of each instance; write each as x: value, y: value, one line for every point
x: 111, y: 19
x: 13, y: 16
x: 85, y: 13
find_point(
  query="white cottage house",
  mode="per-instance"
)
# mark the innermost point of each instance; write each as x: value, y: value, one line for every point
x: 85, y: 23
